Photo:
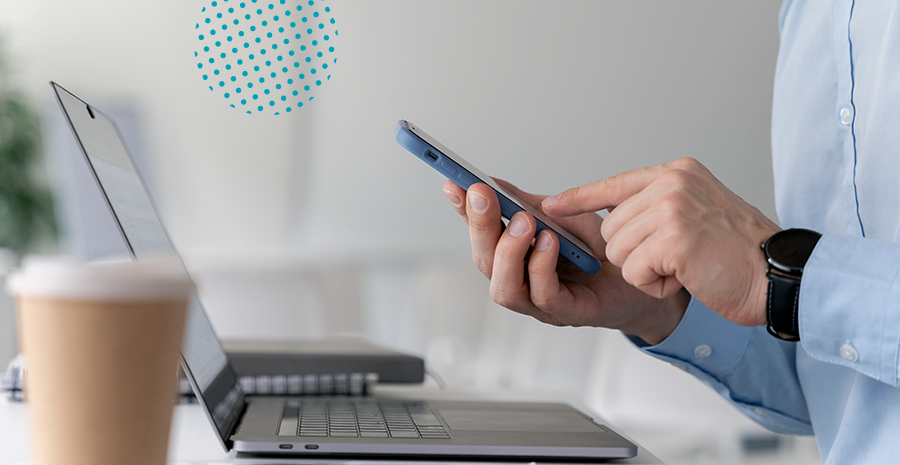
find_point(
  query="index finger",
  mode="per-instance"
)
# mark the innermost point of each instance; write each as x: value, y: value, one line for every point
x: 605, y: 193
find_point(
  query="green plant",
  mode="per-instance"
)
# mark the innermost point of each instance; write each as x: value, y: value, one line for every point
x: 26, y: 211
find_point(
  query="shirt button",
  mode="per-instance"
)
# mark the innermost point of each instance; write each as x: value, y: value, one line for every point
x: 849, y: 353
x: 846, y: 116
x: 702, y: 351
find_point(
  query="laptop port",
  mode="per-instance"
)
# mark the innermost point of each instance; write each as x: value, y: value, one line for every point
x: 312, y: 446
x: 285, y: 446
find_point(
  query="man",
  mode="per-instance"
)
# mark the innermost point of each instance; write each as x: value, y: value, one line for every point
x: 803, y: 336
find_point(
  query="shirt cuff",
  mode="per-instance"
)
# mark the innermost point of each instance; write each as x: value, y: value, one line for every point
x: 849, y: 297
x: 702, y: 339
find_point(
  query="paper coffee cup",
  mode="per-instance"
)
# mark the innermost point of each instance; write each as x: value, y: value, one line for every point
x: 101, y: 344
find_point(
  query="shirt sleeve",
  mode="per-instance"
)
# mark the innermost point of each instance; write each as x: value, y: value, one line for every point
x: 849, y: 312
x: 748, y: 367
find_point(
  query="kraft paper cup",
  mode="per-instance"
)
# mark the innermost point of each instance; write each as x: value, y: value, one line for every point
x: 101, y: 344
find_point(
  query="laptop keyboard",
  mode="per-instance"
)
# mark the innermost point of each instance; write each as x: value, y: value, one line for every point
x: 359, y: 419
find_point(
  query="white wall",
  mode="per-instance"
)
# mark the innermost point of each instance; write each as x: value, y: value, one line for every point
x: 546, y: 94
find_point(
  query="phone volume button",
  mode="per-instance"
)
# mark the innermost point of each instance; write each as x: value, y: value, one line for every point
x: 467, y: 179
x: 449, y: 167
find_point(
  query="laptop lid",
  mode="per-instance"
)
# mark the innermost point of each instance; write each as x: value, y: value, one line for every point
x: 204, y: 360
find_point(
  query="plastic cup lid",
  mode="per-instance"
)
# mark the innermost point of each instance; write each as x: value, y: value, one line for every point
x: 156, y: 279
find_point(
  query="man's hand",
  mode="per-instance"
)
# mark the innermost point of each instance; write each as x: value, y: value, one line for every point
x: 527, y: 277
x: 675, y: 225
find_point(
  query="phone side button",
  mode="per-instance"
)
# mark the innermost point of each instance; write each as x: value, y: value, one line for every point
x: 467, y: 179
x: 449, y: 167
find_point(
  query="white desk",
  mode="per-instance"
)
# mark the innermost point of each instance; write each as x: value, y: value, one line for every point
x: 193, y: 441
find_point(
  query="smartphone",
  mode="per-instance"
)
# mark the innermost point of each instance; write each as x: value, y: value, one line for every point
x: 463, y: 174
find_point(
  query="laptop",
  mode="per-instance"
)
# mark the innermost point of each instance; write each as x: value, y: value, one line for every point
x: 379, y: 426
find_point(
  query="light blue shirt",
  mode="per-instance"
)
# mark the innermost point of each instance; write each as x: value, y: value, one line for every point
x: 836, y: 158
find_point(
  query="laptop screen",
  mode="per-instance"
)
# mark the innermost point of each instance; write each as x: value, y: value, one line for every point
x: 205, y: 361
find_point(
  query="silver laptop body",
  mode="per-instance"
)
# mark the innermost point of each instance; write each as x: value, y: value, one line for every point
x: 366, y: 427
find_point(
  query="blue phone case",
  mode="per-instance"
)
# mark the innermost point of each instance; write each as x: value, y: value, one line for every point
x: 434, y: 156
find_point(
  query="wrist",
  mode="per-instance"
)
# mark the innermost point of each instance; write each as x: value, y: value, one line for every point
x: 666, y: 319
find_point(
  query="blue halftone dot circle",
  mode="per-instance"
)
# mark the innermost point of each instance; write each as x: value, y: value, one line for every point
x: 238, y: 20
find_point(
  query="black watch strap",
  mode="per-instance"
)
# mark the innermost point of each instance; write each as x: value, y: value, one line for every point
x: 782, y: 306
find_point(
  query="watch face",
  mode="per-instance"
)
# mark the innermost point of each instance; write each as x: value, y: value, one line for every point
x: 789, y: 250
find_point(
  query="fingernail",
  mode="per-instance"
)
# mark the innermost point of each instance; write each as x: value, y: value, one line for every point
x: 478, y: 202
x: 549, y: 201
x: 543, y: 241
x: 453, y: 198
x: 518, y: 225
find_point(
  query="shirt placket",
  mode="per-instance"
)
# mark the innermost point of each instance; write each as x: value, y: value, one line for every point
x: 845, y: 111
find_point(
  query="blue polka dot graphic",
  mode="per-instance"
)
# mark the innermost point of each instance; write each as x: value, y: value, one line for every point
x: 266, y: 56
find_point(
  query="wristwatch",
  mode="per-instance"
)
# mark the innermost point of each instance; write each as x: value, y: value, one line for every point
x: 787, y: 253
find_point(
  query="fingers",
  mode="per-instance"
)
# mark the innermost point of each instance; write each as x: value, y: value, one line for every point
x: 482, y: 213
x: 586, y: 227
x: 508, y: 287
x: 610, y: 192
x: 456, y: 195
x: 605, y: 193
x: 542, y: 274
x: 647, y: 270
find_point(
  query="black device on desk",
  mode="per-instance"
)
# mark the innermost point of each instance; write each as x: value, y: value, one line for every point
x: 372, y: 427
x: 339, y: 354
